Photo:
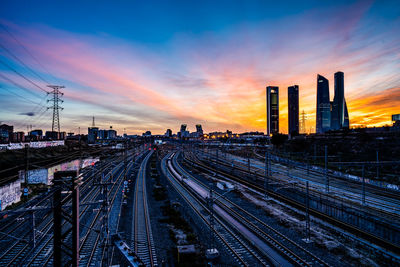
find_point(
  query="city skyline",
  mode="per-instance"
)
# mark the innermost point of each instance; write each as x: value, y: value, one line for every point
x: 153, y: 72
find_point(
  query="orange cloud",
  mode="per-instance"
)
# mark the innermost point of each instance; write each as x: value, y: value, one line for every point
x: 218, y: 79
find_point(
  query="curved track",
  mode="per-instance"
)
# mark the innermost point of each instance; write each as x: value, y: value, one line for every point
x: 240, y: 247
x: 345, y: 226
x: 287, y: 247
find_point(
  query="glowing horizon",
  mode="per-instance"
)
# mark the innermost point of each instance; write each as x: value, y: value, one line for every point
x: 212, y: 73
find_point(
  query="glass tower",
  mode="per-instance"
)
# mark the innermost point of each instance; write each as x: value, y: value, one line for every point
x: 272, y: 109
x: 340, y: 116
x: 293, y: 109
x: 323, y: 120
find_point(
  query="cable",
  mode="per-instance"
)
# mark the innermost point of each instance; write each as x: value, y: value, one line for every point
x: 26, y: 99
x: 29, y: 120
x: 23, y: 76
x: 18, y: 85
x: 34, y: 109
x: 20, y: 61
x: 27, y: 51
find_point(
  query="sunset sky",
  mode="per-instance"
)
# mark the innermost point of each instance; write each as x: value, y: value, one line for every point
x: 153, y: 65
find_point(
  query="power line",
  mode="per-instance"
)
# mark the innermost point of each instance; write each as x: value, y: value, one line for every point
x: 41, y: 121
x: 23, y: 76
x: 25, y: 65
x: 35, y: 120
x: 19, y: 86
x: 34, y: 109
x: 27, y: 51
x: 26, y: 99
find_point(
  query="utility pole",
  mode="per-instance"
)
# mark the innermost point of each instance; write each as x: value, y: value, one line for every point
x: 377, y: 165
x: 315, y: 152
x: 105, y: 232
x: 125, y: 164
x: 26, y: 170
x: 105, y: 226
x: 326, y: 170
x: 307, y: 213
x: 266, y: 175
x: 33, y: 229
x: 248, y: 163
x: 56, y: 99
x: 211, y: 207
x: 363, y: 184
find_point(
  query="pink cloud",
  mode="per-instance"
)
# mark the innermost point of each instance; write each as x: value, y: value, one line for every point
x: 220, y: 79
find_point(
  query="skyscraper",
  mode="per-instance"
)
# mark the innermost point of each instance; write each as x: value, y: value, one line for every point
x: 199, y: 129
x: 293, y: 109
x: 340, y: 116
x: 168, y: 133
x: 183, y: 132
x: 323, y: 120
x: 272, y: 109
x: 183, y: 127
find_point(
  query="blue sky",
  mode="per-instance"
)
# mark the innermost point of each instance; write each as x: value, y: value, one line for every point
x: 155, y: 65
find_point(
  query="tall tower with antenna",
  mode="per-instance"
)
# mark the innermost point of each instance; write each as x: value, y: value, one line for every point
x: 56, y: 100
x: 93, y: 124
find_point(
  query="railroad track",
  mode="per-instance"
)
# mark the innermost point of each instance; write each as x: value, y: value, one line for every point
x: 44, y: 252
x: 383, y: 208
x: 287, y: 247
x: 380, y: 200
x: 90, y: 248
x: 240, y: 248
x: 393, y: 247
x: 142, y: 235
x: 22, y: 225
x: 19, y: 250
x: 355, y: 205
x: 41, y: 254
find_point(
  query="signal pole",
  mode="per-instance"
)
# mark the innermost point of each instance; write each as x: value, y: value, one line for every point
x: 56, y: 99
x: 266, y: 174
x: 326, y: 170
x: 26, y: 190
x: 211, y: 220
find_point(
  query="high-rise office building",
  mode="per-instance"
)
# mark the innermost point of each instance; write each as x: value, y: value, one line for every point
x: 183, y: 128
x: 340, y: 116
x: 168, y: 133
x: 93, y: 134
x: 323, y: 120
x: 293, y: 109
x: 183, y: 132
x: 199, y: 129
x: 272, y: 109
x: 346, y: 123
